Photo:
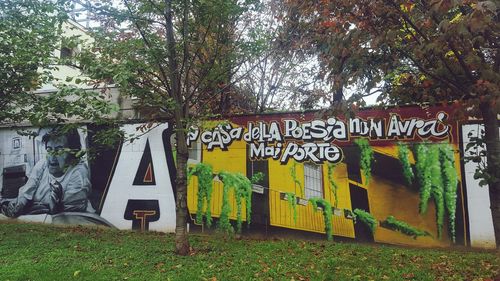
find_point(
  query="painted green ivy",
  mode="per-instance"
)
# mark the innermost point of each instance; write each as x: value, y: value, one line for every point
x: 292, y: 204
x: 293, y: 173
x: 423, y: 176
x: 333, y: 185
x: 223, y: 224
x: 205, y: 179
x: 437, y: 188
x: 404, y: 158
x: 366, y: 158
x: 257, y: 178
x: 327, y: 214
x: 242, y: 191
x: 401, y: 226
x: 366, y: 218
x: 450, y: 182
x: 437, y: 177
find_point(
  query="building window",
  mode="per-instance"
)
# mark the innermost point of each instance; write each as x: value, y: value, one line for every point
x: 313, y: 181
x: 66, y: 53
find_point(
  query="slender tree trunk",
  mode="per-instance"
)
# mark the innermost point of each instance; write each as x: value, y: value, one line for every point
x: 181, y: 236
x: 492, y: 140
x: 180, y: 113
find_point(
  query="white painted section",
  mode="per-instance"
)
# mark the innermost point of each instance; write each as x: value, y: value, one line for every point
x: 482, y: 234
x: 121, y: 189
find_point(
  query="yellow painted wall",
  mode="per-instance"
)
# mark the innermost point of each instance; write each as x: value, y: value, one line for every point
x: 280, y: 181
x: 385, y: 198
x: 308, y: 219
x: 216, y: 204
x: 232, y: 160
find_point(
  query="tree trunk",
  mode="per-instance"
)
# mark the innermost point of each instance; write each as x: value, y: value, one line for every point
x: 180, y: 114
x: 492, y: 139
x: 181, y: 236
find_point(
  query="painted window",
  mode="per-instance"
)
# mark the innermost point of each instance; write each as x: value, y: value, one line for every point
x: 194, y: 152
x: 313, y: 181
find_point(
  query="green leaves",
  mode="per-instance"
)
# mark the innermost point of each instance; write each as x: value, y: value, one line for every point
x: 450, y: 182
x: 292, y: 204
x: 392, y: 223
x: 404, y: 159
x: 242, y: 191
x: 257, y: 178
x: 333, y: 185
x: 437, y: 178
x: 423, y: 175
x: 366, y: 218
x: 293, y: 174
x: 29, y: 31
x: 205, y: 184
x: 327, y: 214
x: 366, y: 158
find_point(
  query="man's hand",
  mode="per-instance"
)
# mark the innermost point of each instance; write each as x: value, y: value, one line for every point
x: 11, y: 208
x: 56, y: 196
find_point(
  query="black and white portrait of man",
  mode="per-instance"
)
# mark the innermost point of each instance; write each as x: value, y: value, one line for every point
x: 58, y: 182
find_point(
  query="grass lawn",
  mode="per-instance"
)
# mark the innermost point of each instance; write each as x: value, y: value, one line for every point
x: 44, y: 252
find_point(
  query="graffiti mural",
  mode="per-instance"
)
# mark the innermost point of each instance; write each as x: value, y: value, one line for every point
x: 392, y: 176
x: 47, y: 177
x: 44, y: 174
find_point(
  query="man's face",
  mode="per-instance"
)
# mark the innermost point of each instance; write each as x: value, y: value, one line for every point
x: 57, y: 155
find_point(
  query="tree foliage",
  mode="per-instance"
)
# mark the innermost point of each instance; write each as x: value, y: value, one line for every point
x: 177, y: 59
x: 29, y: 30
x: 30, y: 33
x: 411, y: 52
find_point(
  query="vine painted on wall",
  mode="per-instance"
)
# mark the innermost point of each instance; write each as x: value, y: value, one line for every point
x: 437, y: 179
x: 366, y: 218
x: 296, y: 181
x: 392, y: 223
x: 242, y: 188
x: 333, y: 185
x: 205, y: 184
x: 366, y: 159
x: 292, y: 204
x: 327, y: 214
x: 404, y: 158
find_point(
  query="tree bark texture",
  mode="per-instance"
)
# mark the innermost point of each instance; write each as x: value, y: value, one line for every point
x: 181, y: 236
x: 180, y: 113
x: 492, y: 140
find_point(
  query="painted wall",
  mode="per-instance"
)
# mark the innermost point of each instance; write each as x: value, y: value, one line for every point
x: 128, y: 186
x: 482, y: 234
x: 310, y: 155
x: 276, y: 144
